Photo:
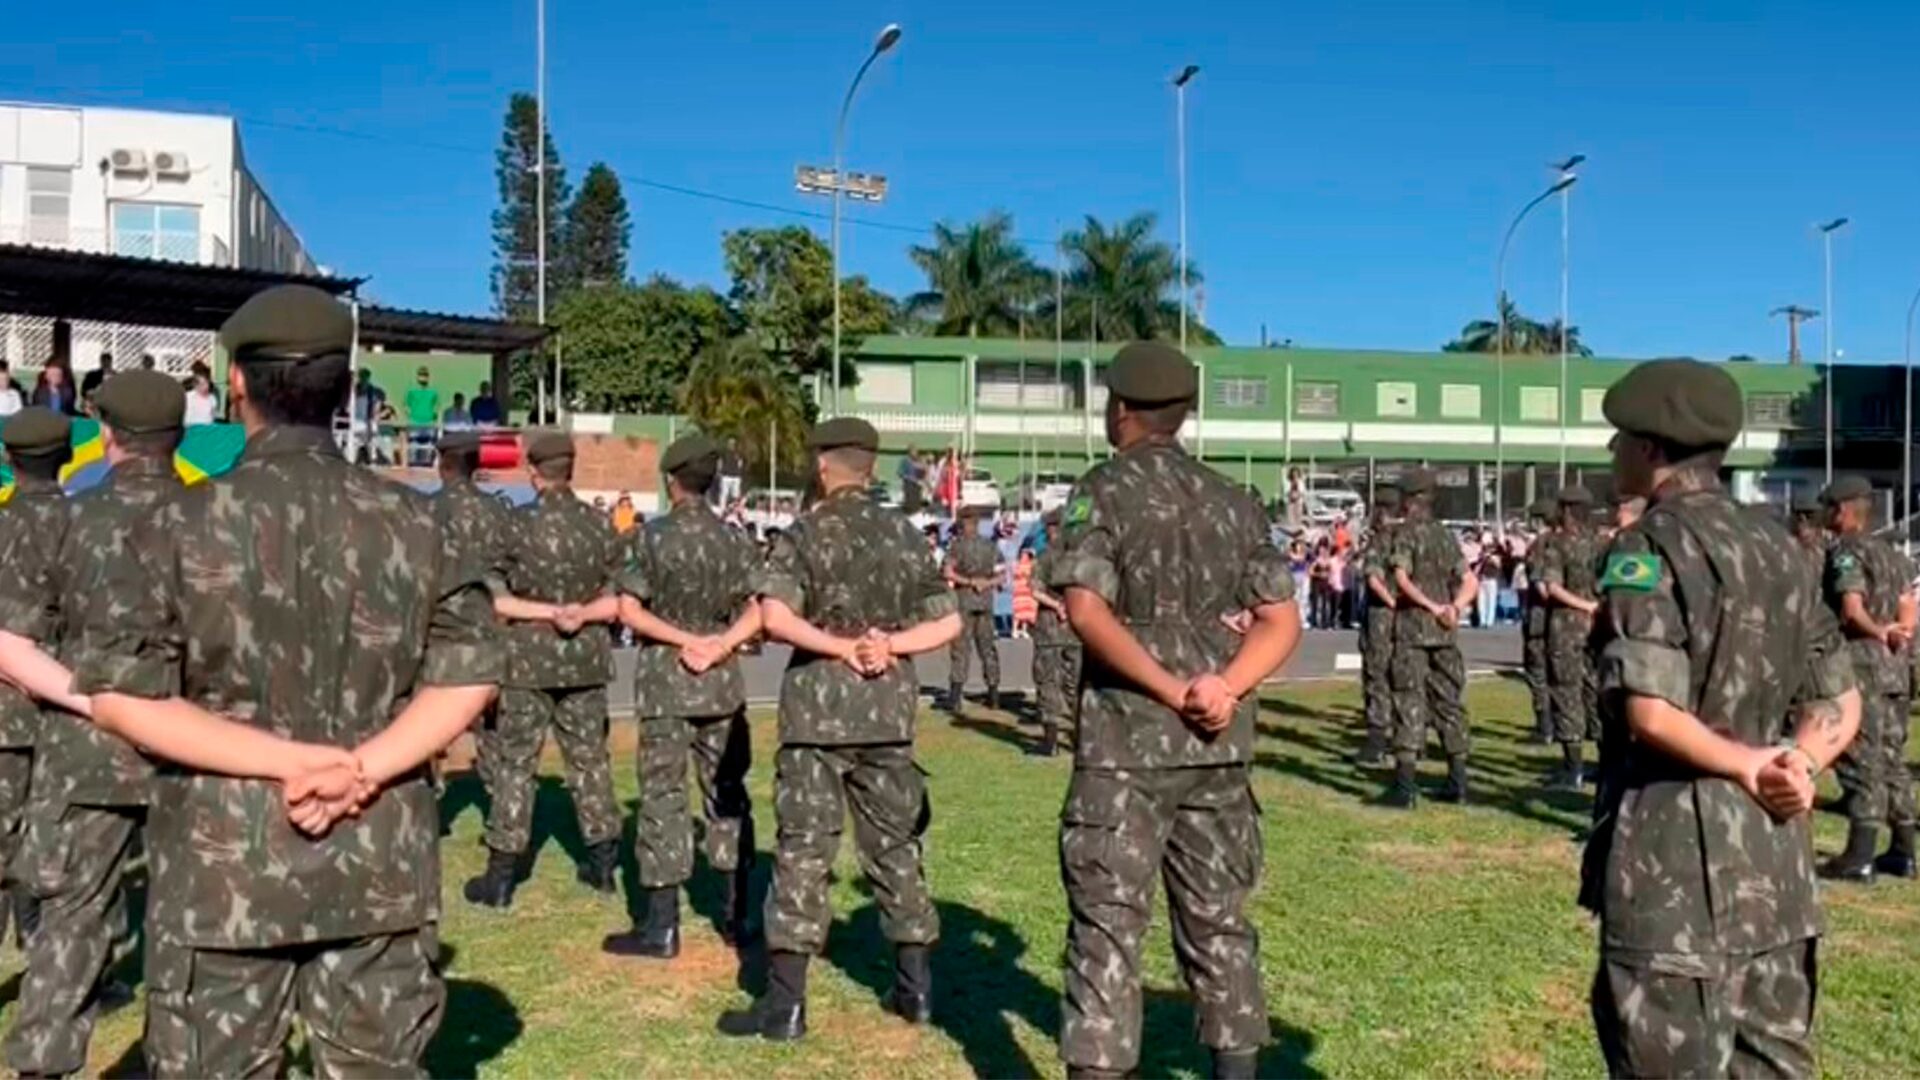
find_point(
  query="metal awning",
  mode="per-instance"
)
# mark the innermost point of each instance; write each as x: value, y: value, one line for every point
x: 426, y: 331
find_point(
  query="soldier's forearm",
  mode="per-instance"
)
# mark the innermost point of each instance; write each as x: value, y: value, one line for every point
x: 652, y: 627
x: 27, y: 666
x: 785, y: 624
x: 1108, y: 640
x: 603, y: 609
x: 518, y: 610
x: 1854, y: 617
x: 1265, y: 647
x: 1469, y: 588
x: 432, y: 719
x: 1826, y: 728
x: 179, y: 731
x: 926, y: 636
x: 744, y: 627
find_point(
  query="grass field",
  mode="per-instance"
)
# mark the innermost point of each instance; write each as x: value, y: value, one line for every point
x: 1442, y: 943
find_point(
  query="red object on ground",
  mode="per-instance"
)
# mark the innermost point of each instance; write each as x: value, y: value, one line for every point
x: 501, y: 451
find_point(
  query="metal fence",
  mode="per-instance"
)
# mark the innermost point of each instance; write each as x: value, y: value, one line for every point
x: 26, y: 341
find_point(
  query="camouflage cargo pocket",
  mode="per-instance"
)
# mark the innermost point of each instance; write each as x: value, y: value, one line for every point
x: 46, y: 849
x: 1100, y: 851
x: 1403, y: 671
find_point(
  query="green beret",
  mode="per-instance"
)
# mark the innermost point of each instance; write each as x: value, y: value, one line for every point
x: 1684, y: 402
x: 459, y: 442
x: 37, y: 432
x: 1845, y: 489
x: 688, y: 450
x: 1386, y: 496
x: 543, y: 446
x: 1152, y: 373
x: 140, y: 401
x: 1806, y: 501
x: 289, y: 322
x: 1575, y: 496
x: 1540, y: 508
x: 1417, y: 482
x: 843, y: 431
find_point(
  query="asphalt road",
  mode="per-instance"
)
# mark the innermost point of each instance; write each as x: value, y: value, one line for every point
x: 1322, y: 654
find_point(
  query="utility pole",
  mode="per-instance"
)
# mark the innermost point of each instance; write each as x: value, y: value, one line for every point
x: 1795, y: 316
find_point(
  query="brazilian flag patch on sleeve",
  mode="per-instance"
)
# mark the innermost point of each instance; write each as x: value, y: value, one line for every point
x: 1080, y: 510
x: 1638, y: 573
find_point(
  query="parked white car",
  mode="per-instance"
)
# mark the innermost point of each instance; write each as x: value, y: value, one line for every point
x: 771, y: 508
x: 1329, y: 497
x: 1043, y: 491
x: 979, y: 488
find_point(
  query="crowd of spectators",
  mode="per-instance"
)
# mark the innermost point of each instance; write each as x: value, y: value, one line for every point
x: 54, y: 387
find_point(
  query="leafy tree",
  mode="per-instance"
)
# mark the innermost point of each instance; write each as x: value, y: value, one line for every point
x: 1127, y: 281
x: 979, y: 280
x: 598, y: 230
x: 1524, y: 336
x: 740, y: 393
x: 516, y: 222
x: 783, y: 292
x: 629, y: 348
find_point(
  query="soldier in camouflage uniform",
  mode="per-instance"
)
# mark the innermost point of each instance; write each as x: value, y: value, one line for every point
x: 1724, y: 696
x: 1158, y: 549
x: 89, y: 789
x: 687, y: 593
x: 1533, y: 624
x: 849, y: 586
x: 1869, y: 586
x: 1376, y: 628
x: 973, y: 568
x: 479, y: 524
x: 1056, y: 649
x: 1568, y: 588
x: 33, y: 526
x: 1429, y: 676
x: 294, y: 598
x: 556, y: 592
x: 1810, y: 532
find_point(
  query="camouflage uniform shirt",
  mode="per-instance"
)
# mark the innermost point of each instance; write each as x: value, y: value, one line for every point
x: 32, y: 527
x: 1172, y: 547
x: 560, y: 551
x: 1879, y: 572
x: 1705, y: 607
x: 689, y: 568
x: 848, y: 565
x: 1049, y: 629
x: 1432, y: 558
x: 973, y: 556
x: 310, y: 598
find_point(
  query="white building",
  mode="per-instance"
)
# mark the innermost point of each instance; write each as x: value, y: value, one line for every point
x: 149, y: 185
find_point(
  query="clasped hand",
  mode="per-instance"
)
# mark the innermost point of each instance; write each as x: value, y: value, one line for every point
x: 871, y: 655
x: 1209, y: 703
x: 1779, y: 781
x: 325, y: 785
x: 703, y: 654
x: 567, y: 618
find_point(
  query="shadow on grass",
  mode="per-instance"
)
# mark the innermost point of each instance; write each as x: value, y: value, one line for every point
x: 478, y: 1024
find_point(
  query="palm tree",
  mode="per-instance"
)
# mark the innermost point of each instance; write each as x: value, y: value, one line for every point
x: 1524, y: 336
x: 1126, y: 281
x: 979, y: 280
x: 737, y: 393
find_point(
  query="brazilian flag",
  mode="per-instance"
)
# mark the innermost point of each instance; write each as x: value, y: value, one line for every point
x: 206, y: 450
x: 1634, y: 572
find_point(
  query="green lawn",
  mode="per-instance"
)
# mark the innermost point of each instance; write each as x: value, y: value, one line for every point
x: 1440, y: 943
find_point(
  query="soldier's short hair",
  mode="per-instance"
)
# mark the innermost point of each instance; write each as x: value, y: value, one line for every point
x: 1163, y: 419
x: 303, y: 393
x: 148, y: 444
x: 38, y: 466
x: 851, y: 459
x: 697, y: 478
x: 559, y: 470
x: 461, y: 461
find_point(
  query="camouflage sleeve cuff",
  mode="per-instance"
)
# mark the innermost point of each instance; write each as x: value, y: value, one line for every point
x: 1088, y: 572
x: 634, y: 584
x: 1266, y: 580
x: 468, y: 663
x: 497, y: 585
x: 782, y: 587
x: 1647, y: 668
x: 1829, y: 674
x: 1552, y: 576
x: 19, y: 615
x: 1399, y: 561
x: 938, y: 605
x: 1850, y: 581
x: 151, y: 677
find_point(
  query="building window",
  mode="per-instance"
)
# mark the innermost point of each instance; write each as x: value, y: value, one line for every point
x: 49, y: 205
x: 1396, y: 399
x: 1770, y: 410
x: 1316, y: 399
x: 885, y: 384
x: 157, y: 231
x: 1592, y: 402
x: 998, y: 385
x: 1540, y: 404
x: 1240, y: 393
x: 1460, y: 401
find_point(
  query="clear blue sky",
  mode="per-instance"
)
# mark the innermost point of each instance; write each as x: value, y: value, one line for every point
x: 1352, y: 165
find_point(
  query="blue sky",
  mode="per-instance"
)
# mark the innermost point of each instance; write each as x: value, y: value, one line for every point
x: 1352, y: 165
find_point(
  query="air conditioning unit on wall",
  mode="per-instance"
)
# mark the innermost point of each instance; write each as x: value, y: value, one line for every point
x: 171, y: 164
x: 128, y: 162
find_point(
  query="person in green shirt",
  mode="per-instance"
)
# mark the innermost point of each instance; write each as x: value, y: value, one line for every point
x: 423, y: 415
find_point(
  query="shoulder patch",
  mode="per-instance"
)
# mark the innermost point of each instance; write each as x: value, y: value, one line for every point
x: 1080, y: 510
x: 1845, y: 561
x: 1634, y: 572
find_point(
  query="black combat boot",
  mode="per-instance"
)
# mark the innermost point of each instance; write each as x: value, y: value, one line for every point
x: 1567, y: 777
x: 1855, y: 864
x: 494, y: 888
x: 1456, y: 789
x: 1236, y: 1064
x: 26, y: 916
x: 912, y: 996
x: 781, y: 1015
x: 735, y: 929
x: 1373, y: 754
x: 1898, y: 861
x: 993, y: 697
x: 1404, y: 792
x: 600, y: 869
x: 956, y: 700
x: 658, y: 934
x: 1049, y: 740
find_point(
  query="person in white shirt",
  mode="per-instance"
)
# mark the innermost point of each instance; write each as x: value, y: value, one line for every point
x: 11, y: 400
x: 203, y: 404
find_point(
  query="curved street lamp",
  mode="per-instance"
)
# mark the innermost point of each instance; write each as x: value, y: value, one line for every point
x: 889, y: 37
x: 1500, y: 353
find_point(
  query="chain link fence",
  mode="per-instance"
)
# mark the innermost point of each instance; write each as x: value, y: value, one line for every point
x: 26, y: 341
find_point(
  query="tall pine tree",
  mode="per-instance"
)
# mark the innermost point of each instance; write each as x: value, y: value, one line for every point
x: 515, y: 224
x: 598, y: 231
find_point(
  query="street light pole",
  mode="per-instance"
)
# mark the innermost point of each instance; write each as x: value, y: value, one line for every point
x: 1180, y: 82
x: 889, y: 36
x: 1906, y: 445
x: 1500, y: 353
x: 1566, y: 258
x: 1826, y: 337
x: 540, y: 177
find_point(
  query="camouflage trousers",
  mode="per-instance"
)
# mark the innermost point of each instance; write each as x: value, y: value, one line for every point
x: 1533, y: 666
x: 1197, y: 831
x: 1574, y: 689
x: 486, y: 755
x: 1873, y: 770
x: 1428, y: 682
x: 75, y: 860
x: 814, y: 787
x: 976, y: 635
x: 369, y: 1006
x: 720, y: 749
x: 1056, y: 682
x: 1730, y: 1016
x: 1376, y: 667
x: 578, y: 718
x: 16, y: 780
